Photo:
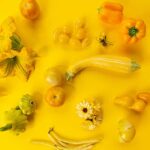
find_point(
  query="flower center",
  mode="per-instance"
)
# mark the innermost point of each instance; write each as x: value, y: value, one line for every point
x: 85, y: 110
x: 133, y: 31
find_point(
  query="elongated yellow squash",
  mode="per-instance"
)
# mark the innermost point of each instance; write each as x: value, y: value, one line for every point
x: 112, y: 63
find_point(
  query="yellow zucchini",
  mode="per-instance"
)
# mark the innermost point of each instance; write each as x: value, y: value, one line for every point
x: 112, y: 63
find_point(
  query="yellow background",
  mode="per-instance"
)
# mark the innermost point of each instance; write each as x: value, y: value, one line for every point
x: 91, y: 83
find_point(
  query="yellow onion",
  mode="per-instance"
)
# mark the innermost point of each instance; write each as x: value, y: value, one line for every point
x: 54, y: 77
x: 126, y: 131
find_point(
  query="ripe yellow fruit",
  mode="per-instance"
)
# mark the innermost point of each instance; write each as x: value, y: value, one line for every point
x: 63, y: 38
x: 55, y: 96
x: 80, y: 34
x: 110, y: 63
x: 138, y: 106
x: 126, y: 131
x: 30, y: 9
x: 75, y: 43
x: 67, y: 30
x: 54, y: 77
x: 86, y: 42
x: 80, y: 23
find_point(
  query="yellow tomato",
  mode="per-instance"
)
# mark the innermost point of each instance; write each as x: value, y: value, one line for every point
x: 55, y: 96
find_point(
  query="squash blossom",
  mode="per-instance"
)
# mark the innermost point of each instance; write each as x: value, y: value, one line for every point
x: 14, y: 55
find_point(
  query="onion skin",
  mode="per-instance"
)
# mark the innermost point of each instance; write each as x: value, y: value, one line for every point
x: 126, y: 131
x: 54, y: 77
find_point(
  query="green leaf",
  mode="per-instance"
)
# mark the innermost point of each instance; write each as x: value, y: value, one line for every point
x: 17, y: 119
x: 16, y: 42
x: 6, y: 127
x: 69, y: 76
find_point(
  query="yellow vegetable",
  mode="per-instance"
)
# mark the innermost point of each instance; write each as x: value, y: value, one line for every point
x: 63, y: 38
x: 125, y: 101
x: 75, y: 43
x: 30, y: 9
x: 136, y: 103
x: 67, y: 30
x: 80, y: 34
x: 80, y: 23
x: 106, y: 62
x: 62, y: 35
x: 126, y: 131
x: 133, y: 30
x: 62, y: 143
x: 111, y: 13
x: 54, y: 77
x: 145, y: 96
x: 55, y: 96
x: 138, y: 106
x: 86, y: 42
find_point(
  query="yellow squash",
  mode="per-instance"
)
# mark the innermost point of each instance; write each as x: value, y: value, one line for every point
x: 112, y: 63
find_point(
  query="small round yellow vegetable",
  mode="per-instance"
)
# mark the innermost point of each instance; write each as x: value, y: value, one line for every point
x: 67, y: 30
x: 30, y: 9
x: 55, y: 96
x: 126, y: 131
x: 80, y: 23
x: 75, y: 43
x: 80, y: 34
x: 56, y: 34
x: 63, y: 38
x: 85, y: 42
x: 54, y: 77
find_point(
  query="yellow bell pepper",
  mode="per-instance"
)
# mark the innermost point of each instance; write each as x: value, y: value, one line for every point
x: 111, y: 13
x: 133, y: 30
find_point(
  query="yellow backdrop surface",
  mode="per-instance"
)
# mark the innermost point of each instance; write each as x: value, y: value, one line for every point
x: 90, y: 83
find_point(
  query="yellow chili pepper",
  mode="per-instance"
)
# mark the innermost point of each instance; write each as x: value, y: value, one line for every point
x: 111, y: 13
x: 133, y: 30
x: 145, y: 96
x: 138, y: 106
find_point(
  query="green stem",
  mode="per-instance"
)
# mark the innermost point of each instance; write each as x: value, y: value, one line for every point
x: 133, y: 31
x: 134, y: 66
x: 6, y: 127
x: 22, y: 69
x: 69, y: 76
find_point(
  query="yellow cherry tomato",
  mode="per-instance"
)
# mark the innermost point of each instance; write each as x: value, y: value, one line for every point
x: 30, y: 9
x: 55, y: 96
